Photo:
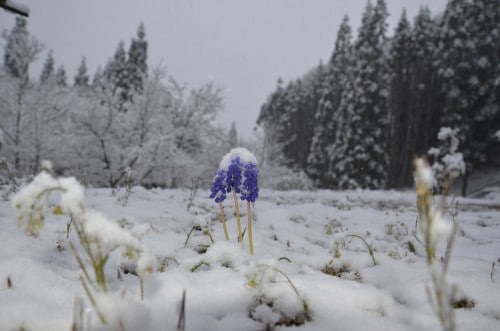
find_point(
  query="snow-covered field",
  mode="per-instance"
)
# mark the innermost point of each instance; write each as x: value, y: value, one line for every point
x: 306, y: 270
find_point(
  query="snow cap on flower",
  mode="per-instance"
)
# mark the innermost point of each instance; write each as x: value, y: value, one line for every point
x: 243, y: 154
x: 238, y: 170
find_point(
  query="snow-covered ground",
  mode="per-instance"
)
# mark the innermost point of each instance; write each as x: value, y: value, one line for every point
x: 306, y: 270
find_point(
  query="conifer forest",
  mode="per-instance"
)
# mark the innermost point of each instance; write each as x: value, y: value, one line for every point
x: 356, y: 120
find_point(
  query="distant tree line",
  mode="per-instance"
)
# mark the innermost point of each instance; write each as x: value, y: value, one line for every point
x: 358, y: 120
x: 127, y: 117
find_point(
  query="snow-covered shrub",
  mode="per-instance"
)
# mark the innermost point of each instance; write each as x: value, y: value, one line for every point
x: 237, y: 174
x: 277, y: 301
x: 284, y: 179
x: 98, y: 236
x: 448, y: 163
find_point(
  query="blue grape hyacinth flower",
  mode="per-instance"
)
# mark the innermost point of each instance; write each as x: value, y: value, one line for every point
x: 250, y: 188
x: 233, y: 176
x: 219, y: 187
x: 237, y: 174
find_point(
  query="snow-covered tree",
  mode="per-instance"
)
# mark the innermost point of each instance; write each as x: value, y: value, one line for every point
x: 105, y: 136
x: 400, y: 112
x: 447, y: 163
x: 269, y: 121
x: 21, y: 51
x: 332, y: 87
x: 137, y: 67
x: 82, y: 78
x: 232, y: 136
x: 60, y: 77
x: 48, y: 68
x: 116, y: 76
x: 485, y: 80
x: 468, y: 56
x: 358, y: 158
x: 307, y: 101
x: 426, y: 105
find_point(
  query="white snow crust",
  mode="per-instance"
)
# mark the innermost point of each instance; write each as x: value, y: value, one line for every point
x: 295, y: 232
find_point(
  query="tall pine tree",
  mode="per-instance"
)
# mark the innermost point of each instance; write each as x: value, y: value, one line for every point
x: 116, y: 75
x: 137, y: 60
x: 82, y: 78
x: 426, y: 100
x: 400, y: 114
x: 48, y: 68
x: 60, y: 77
x: 468, y: 52
x: 331, y: 89
x: 20, y: 51
x: 359, y: 157
x: 485, y: 81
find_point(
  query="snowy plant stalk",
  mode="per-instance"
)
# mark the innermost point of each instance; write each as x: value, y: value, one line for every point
x: 98, y: 236
x: 223, y: 217
x: 250, y: 235
x: 433, y: 227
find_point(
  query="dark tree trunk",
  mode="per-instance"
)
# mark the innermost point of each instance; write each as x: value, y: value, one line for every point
x: 464, y: 183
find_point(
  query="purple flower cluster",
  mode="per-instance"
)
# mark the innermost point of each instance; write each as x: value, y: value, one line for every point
x: 219, y: 186
x: 240, y: 176
x: 250, y: 190
x: 233, y: 175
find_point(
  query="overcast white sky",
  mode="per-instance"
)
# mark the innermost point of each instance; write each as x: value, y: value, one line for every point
x: 242, y: 45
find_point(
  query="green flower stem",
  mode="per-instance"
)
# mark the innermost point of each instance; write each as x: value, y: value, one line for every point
x: 249, y: 217
x: 237, y: 209
x: 223, y: 216
x: 92, y: 300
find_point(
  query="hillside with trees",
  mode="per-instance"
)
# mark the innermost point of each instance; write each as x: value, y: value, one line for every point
x: 360, y: 119
x: 127, y: 117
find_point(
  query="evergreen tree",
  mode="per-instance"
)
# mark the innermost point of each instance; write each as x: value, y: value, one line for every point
x: 455, y: 70
x: 330, y: 92
x: 116, y: 75
x: 97, y: 79
x: 426, y: 102
x: 307, y: 101
x: 359, y: 156
x: 20, y: 51
x: 137, y: 60
x: 288, y: 109
x: 269, y: 120
x: 15, y: 114
x: 48, y: 68
x: 468, y: 53
x: 485, y: 80
x: 400, y: 103
x: 60, y: 77
x: 82, y: 78
x: 233, y: 136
